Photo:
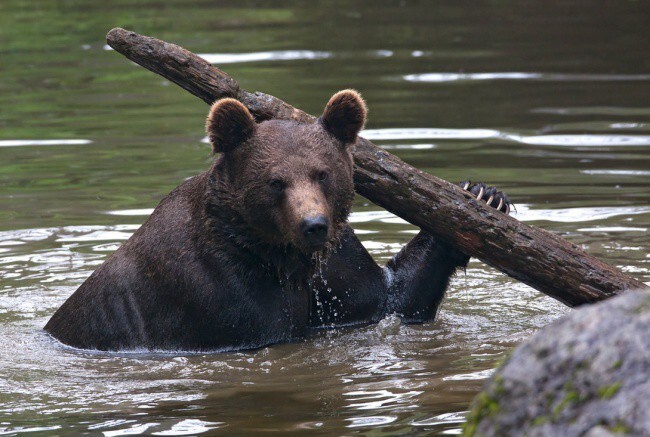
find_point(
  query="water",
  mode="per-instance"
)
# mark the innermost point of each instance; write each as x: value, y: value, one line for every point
x: 549, y: 102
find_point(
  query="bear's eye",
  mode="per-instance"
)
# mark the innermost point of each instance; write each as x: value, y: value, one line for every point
x: 276, y: 185
x: 323, y: 176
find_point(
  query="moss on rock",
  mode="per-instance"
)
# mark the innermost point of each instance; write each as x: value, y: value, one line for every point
x: 586, y: 374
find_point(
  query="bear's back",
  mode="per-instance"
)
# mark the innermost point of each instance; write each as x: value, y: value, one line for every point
x: 123, y: 303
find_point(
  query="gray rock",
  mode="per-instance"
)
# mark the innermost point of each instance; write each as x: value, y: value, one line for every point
x: 587, y: 374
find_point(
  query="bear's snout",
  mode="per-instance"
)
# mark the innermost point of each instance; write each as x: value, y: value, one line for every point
x: 315, y: 230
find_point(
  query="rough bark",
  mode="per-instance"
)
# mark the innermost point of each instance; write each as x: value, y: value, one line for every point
x: 532, y: 255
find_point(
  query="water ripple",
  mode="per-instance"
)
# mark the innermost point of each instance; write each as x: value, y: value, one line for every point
x: 567, y: 140
x: 190, y: 427
x: 370, y: 421
x: 408, y: 146
x: 446, y: 418
x: 524, y: 213
x: 131, y: 212
x: 617, y: 172
x: 19, y: 143
x: 575, y: 215
x: 427, y: 133
x: 479, y: 375
x: 594, y: 110
x: 585, y: 140
x: 533, y: 76
x: 614, y: 229
x: 278, y: 55
x: 381, y: 399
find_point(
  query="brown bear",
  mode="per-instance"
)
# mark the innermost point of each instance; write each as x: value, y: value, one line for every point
x: 257, y: 250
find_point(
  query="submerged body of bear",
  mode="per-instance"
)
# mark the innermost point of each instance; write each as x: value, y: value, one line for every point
x: 255, y: 251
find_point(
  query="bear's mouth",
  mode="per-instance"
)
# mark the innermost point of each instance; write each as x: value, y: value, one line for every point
x: 313, y: 248
x: 315, y: 233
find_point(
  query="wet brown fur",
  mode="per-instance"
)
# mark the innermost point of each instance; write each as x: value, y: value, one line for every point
x: 296, y: 154
x: 228, y: 126
x: 222, y: 264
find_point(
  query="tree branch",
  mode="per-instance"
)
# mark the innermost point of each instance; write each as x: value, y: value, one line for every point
x: 532, y: 255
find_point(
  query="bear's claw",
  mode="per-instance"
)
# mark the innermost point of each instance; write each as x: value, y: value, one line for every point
x: 490, y: 195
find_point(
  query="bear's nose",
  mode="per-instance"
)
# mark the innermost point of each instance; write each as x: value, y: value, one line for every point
x: 314, y: 229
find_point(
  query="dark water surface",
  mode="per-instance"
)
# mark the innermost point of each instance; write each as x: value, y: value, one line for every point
x: 548, y: 100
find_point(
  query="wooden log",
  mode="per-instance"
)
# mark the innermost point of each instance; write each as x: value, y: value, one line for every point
x: 532, y: 255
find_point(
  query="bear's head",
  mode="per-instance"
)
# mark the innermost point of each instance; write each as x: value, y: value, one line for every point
x: 286, y: 184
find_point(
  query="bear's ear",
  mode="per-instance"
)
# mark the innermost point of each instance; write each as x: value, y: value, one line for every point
x: 345, y: 115
x: 229, y: 124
